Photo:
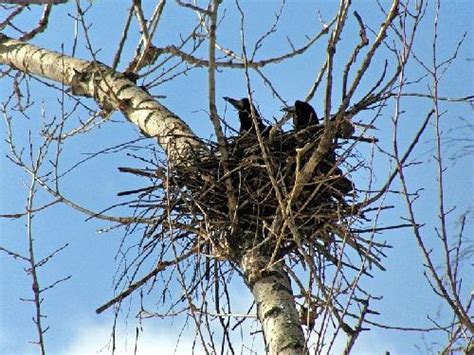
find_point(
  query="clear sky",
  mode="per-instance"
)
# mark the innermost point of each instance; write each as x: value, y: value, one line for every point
x: 92, y: 258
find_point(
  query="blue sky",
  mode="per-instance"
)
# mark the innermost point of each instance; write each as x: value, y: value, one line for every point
x: 91, y: 257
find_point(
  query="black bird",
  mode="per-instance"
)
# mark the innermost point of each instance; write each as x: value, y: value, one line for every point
x: 303, y: 115
x: 245, y: 116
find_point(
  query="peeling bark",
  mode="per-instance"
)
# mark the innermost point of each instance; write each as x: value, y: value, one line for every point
x: 113, y: 91
x: 110, y: 89
x: 276, y: 308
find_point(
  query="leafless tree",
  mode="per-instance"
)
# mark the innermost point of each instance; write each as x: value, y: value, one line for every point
x: 282, y: 210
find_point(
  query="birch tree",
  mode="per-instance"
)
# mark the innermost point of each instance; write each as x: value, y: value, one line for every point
x: 279, y: 210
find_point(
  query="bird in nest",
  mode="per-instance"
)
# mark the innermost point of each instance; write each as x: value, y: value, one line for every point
x: 245, y: 110
x: 303, y: 114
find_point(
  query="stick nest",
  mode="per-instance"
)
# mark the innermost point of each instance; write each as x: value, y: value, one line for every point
x: 192, y: 200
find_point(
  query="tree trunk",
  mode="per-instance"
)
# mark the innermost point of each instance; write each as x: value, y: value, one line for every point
x: 276, y: 308
x: 111, y: 90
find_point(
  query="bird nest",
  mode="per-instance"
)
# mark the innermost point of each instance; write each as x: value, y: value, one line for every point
x: 193, y: 199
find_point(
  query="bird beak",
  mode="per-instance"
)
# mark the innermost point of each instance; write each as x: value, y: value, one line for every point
x: 289, y: 109
x: 236, y: 103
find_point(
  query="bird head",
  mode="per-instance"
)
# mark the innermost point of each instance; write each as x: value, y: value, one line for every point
x: 303, y: 114
x: 241, y: 105
x: 245, y: 114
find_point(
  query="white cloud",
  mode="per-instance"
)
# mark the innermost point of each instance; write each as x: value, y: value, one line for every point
x: 93, y: 338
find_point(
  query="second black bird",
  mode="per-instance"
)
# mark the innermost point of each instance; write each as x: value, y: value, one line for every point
x: 304, y: 115
x: 245, y: 116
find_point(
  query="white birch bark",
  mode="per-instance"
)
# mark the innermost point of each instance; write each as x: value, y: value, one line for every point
x: 112, y: 91
x: 276, y: 309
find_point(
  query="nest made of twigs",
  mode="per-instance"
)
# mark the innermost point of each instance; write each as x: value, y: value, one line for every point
x: 195, y: 198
